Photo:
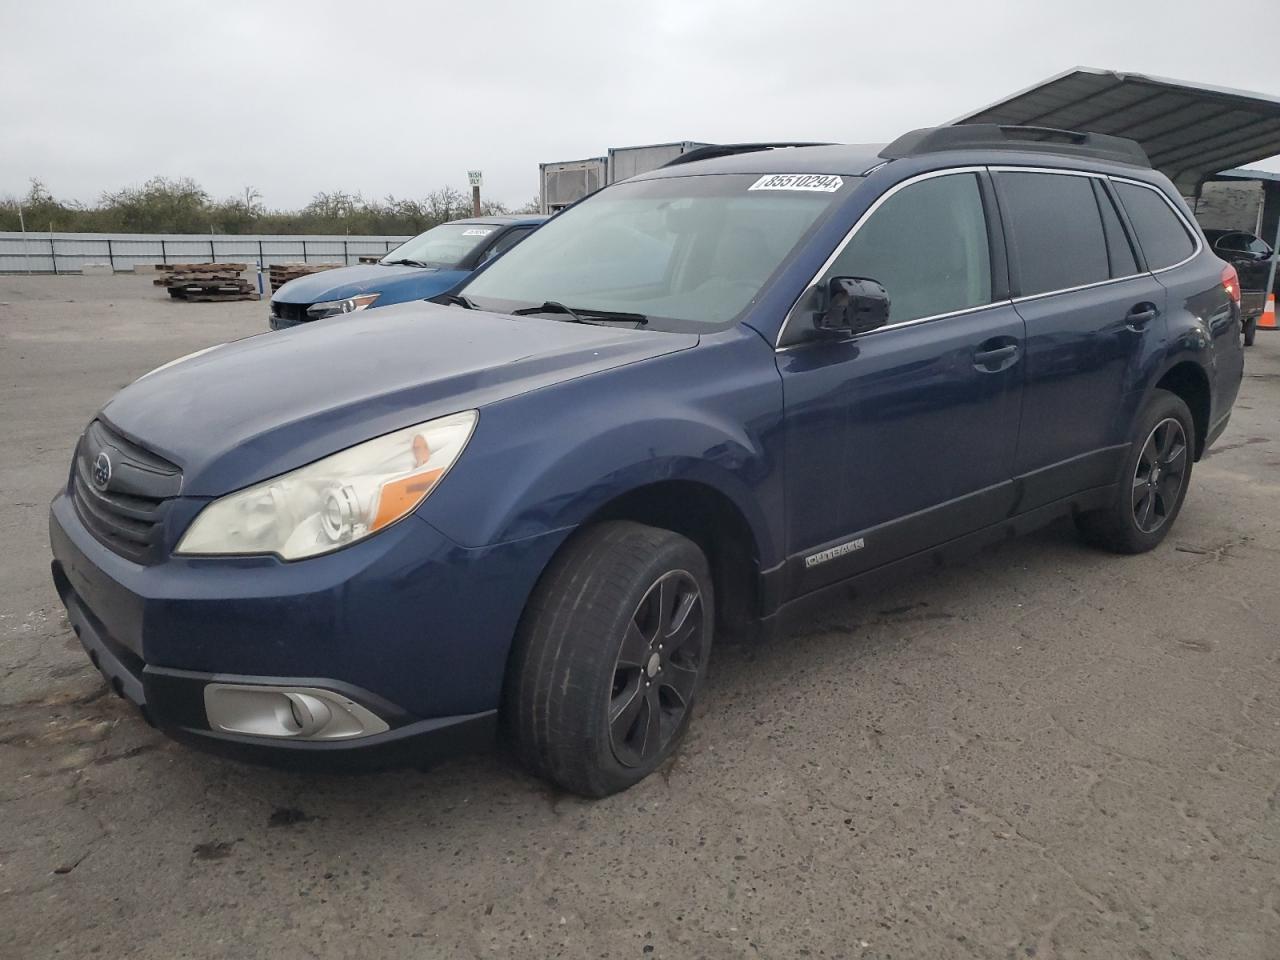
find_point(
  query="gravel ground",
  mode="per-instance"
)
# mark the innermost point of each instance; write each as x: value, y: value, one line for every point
x: 1047, y: 752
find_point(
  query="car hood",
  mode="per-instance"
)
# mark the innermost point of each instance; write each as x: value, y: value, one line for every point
x: 365, y: 278
x: 252, y: 409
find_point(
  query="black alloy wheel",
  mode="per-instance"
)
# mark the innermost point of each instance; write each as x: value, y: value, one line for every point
x: 657, y: 669
x: 609, y: 657
x: 1159, y: 475
x: 1139, y: 509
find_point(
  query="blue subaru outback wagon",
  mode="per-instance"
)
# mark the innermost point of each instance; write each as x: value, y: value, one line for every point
x: 695, y: 402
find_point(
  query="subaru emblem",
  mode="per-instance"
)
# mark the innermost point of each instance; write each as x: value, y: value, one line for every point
x: 102, y: 470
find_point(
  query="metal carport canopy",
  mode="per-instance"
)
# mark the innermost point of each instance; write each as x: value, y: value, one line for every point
x: 1190, y: 131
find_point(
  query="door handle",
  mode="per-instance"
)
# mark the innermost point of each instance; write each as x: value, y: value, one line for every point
x: 1140, y: 315
x: 995, y: 359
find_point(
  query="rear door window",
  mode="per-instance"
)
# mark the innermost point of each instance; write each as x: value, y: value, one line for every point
x: 927, y: 245
x: 1161, y: 234
x: 1056, y: 230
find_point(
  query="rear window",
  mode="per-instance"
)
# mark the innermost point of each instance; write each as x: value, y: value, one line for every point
x: 1056, y: 231
x: 1161, y: 233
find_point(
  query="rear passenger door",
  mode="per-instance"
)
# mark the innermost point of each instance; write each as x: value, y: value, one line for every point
x: 1094, y: 321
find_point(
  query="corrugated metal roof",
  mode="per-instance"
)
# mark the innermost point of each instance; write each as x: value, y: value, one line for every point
x: 1190, y: 131
x: 1266, y: 175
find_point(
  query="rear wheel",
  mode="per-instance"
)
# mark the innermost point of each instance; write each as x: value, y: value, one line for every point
x: 1153, y: 484
x: 1250, y: 331
x: 610, y: 657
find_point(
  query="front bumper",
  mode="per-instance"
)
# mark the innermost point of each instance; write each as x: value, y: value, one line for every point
x: 284, y: 315
x: 407, y: 624
x: 173, y: 700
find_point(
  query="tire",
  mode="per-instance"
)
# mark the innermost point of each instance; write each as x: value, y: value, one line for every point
x: 609, y: 657
x: 1250, y: 331
x: 1144, y: 507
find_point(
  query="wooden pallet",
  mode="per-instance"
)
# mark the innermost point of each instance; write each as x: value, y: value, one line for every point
x: 172, y: 278
x: 201, y: 267
x: 207, y: 288
x: 282, y: 273
x: 221, y: 297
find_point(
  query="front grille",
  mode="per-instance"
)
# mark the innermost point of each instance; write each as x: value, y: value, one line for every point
x: 291, y: 313
x: 127, y: 512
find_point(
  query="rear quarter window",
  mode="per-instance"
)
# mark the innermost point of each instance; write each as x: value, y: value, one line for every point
x: 1161, y: 233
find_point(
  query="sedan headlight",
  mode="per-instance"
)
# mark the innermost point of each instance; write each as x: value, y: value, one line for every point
x: 335, y: 501
x: 331, y: 308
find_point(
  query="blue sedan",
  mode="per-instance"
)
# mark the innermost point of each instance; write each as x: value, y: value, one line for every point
x: 426, y: 266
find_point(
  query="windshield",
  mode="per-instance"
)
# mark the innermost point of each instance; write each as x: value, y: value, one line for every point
x: 687, y: 253
x: 444, y: 246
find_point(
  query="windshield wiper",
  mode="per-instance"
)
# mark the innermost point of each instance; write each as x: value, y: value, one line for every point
x: 457, y: 300
x: 583, y: 314
x: 403, y: 260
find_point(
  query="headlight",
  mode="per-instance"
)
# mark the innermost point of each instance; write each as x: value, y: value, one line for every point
x: 331, y: 308
x: 335, y: 501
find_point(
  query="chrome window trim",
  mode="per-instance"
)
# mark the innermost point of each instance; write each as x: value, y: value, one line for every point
x: 1060, y: 171
x: 867, y: 214
x: 904, y: 323
x: 1083, y: 286
x: 1064, y: 171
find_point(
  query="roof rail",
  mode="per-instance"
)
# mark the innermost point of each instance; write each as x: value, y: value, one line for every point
x: 711, y: 151
x: 989, y: 136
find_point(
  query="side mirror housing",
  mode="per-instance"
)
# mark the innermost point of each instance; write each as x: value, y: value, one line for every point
x: 853, y: 305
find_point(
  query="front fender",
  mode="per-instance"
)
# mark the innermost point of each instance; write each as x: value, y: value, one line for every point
x: 550, y: 459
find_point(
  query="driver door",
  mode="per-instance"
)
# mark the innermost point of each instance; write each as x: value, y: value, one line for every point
x: 904, y: 437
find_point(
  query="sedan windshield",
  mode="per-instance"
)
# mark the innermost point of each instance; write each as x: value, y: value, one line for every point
x: 684, y: 253
x: 444, y: 246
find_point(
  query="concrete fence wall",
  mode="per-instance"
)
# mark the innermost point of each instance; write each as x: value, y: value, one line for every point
x: 69, y: 252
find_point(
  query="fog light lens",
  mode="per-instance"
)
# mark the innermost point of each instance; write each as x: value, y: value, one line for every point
x: 295, y: 713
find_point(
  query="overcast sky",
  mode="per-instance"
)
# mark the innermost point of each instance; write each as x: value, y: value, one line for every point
x: 401, y: 98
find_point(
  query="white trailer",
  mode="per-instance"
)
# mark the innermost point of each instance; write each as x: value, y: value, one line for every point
x: 566, y: 182
x: 560, y: 184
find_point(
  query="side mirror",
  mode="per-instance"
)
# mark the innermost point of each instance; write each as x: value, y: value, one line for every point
x: 853, y: 305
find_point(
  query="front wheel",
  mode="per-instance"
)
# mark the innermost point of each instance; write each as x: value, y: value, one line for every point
x: 1153, y: 484
x: 1250, y: 331
x: 609, y: 657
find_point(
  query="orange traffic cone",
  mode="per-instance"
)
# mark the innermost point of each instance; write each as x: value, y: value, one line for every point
x: 1268, y: 319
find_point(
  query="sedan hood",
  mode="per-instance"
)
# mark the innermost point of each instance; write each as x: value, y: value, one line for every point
x: 249, y: 410
x: 396, y: 283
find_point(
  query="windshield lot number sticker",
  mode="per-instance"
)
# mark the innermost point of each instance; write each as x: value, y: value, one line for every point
x: 819, y: 182
x: 476, y: 232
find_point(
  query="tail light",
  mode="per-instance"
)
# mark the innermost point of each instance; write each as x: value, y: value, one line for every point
x: 1231, y: 283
